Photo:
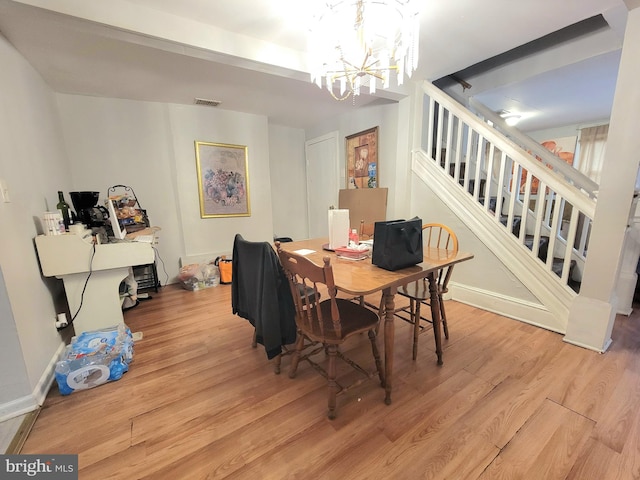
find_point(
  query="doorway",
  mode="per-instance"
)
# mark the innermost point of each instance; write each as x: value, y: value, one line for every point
x: 322, y: 181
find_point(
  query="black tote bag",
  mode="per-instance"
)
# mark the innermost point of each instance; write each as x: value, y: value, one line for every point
x: 397, y: 244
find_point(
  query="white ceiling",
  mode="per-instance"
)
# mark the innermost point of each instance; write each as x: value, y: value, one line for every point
x: 250, y: 54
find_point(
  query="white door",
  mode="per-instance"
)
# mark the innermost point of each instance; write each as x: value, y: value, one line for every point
x: 322, y: 181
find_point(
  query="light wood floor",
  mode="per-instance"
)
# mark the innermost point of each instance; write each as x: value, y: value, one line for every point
x: 511, y: 402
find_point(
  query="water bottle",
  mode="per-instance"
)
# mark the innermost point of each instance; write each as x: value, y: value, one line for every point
x: 353, y: 238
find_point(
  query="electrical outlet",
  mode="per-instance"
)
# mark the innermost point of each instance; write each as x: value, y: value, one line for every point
x: 4, y: 191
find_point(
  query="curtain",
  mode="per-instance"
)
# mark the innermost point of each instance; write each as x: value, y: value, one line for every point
x: 593, y: 143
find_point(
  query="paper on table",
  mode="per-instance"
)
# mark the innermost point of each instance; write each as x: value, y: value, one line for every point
x: 356, y: 259
x: 304, y: 251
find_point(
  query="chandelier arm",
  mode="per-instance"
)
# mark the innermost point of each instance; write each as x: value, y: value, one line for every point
x: 373, y: 73
x: 364, y: 61
x: 352, y: 68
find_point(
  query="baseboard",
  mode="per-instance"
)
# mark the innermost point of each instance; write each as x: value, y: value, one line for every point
x: 590, y: 347
x: 17, y: 407
x: 510, y: 307
x: 33, y: 401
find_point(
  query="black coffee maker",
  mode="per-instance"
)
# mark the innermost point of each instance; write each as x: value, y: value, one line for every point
x: 88, y: 212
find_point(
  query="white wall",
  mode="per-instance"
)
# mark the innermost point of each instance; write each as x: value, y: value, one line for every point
x: 33, y: 166
x: 288, y: 182
x: 150, y: 147
x: 119, y: 142
x: 51, y: 142
x: 13, y: 372
x: 485, y: 272
x: 202, y: 236
x: 393, y: 146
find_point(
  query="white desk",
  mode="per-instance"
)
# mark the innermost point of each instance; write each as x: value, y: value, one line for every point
x: 71, y: 259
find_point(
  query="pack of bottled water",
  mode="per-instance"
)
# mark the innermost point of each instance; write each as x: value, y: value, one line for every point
x: 93, y: 358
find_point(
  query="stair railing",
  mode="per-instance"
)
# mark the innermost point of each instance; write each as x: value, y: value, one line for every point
x: 542, y: 210
x: 570, y: 174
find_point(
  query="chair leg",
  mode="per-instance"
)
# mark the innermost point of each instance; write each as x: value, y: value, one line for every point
x: 331, y: 379
x: 276, y: 364
x: 376, y: 355
x: 295, y: 358
x: 415, y: 315
x: 443, y: 318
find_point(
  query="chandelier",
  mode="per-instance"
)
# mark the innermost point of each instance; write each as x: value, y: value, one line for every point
x: 360, y: 43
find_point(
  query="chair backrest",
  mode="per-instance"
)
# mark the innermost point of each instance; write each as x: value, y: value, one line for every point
x: 437, y: 235
x: 303, y: 273
x: 260, y: 293
x: 366, y: 230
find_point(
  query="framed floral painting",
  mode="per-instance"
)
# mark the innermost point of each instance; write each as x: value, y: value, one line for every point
x: 223, y: 180
x: 362, y: 159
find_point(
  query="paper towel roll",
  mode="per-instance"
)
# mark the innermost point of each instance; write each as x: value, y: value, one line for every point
x: 52, y: 223
x: 338, y: 228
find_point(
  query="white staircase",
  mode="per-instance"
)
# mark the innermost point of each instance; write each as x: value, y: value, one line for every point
x: 532, y: 210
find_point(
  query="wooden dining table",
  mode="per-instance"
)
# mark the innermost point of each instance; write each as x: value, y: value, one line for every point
x: 361, y: 277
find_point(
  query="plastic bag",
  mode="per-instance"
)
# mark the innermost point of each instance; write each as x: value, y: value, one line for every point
x: 190, y: 276
x: 210, y: 275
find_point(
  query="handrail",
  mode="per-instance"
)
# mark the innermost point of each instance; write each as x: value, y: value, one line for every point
x: 547, y: 215
x: 571, y: 174
x: 552, y: 178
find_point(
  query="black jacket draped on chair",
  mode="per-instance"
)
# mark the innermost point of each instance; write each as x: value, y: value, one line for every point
x: 260, y: 293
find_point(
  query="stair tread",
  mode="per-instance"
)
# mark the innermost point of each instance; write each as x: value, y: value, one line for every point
x: 527, y: 236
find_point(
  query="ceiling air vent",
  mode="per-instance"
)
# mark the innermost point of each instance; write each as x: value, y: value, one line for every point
x: 208, y: 103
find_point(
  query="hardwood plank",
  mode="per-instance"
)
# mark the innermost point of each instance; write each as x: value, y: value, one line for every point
x: 626, y: 464
x: 591, y: 386
x: 546, y: 447
x: 508, y: 407
x: 510, y: 401
x: 594, y: 462
x: 616, y: 423
x: 414, y: 454
x: 421, y: 409
x: 218, y: 456
x: 321, y: 452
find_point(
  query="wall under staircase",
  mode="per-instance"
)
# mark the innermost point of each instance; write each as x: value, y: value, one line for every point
x: 532, y: 210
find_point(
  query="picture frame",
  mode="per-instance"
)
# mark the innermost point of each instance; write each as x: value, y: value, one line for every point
x: 223, y: 180
x: 361, y: 158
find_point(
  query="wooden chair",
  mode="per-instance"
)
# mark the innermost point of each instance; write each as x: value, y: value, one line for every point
x: 260, y: 293
x: 366, y: 230
x: 434, y: 235
x: 329, y: 322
